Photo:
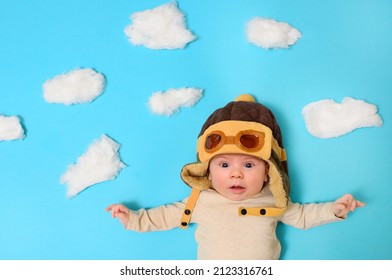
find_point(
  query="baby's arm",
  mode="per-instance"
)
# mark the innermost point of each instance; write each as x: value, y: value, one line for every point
x: 347, y: 203
x: 163, y: 217
x: 119, y: 211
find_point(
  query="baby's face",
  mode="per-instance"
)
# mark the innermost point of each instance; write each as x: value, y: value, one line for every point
x: 236, y: 176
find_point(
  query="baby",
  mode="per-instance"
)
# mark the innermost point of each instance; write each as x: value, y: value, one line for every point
x: 240, y: 189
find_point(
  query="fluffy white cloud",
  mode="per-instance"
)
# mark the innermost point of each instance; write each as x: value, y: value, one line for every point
x: 76, y: 86
x: 160, y: 28
x: 100, y: 163
x: 10, y: 128
x: 169, y: 102
x: 269, y: 33
x: 327, y: 119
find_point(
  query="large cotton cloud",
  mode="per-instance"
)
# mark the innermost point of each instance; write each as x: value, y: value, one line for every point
x: 169, y: 102
x: 76, y: 86
x: 10, y: 128
x: 327, y: 119
x: 160, y: 28
x: 269, y: 33
x: 100, y: 163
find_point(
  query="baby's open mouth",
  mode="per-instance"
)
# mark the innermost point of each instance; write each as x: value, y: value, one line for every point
x: 237, y: 189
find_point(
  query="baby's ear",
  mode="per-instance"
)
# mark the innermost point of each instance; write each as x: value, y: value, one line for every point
x: 266, y: 172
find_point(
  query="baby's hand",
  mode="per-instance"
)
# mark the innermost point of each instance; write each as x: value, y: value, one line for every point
x: 346, y: 204
x: 120, y: 212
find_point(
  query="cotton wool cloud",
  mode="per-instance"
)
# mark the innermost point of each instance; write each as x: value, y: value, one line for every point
x: 328, y: 119
x: 162, y: 27
x: 270, y: 34
x: 169, y: 102
x: 78, y: 86
x: 10, y: 128
x: 100, y: 163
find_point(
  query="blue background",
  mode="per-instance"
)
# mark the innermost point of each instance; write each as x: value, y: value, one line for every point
x: 345, y: 51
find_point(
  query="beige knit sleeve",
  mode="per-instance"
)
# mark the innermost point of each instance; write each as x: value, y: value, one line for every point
x: 164, y: 217
x: 305, y: 216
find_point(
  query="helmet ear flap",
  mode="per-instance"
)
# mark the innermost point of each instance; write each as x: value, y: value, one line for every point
x: 195, y: 175
x: 278, y: 181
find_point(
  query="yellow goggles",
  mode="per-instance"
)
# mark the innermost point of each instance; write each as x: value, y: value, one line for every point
x: 237, y: 137
x: 247, y: 140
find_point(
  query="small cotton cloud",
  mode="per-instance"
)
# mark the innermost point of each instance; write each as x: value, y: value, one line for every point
x: 169, y: 102
x: 75, y: 87
x: 328, y: 119
x: 10, y: 128
x: 160, y: 28
x: 269, y: 33
x: 100, y: 163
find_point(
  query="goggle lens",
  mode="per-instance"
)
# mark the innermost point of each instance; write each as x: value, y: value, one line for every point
x: 212, y: 141
x: 249, y: 141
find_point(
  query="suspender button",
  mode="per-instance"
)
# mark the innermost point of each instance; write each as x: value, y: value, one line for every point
x: 244, y: 212
x: 263, y: 212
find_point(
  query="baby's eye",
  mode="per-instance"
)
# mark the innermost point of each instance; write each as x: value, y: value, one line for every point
x: 224, y: 164
x: 248, y: 165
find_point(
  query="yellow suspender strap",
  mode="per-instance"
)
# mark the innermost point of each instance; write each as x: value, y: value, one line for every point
x: 186, y: 216
x: 261, y: 211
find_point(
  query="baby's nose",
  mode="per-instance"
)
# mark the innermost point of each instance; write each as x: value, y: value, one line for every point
x: 236, y: 174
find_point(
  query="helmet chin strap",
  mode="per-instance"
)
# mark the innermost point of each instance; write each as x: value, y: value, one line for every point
x: 186, y: 216
x: 242, y: 211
